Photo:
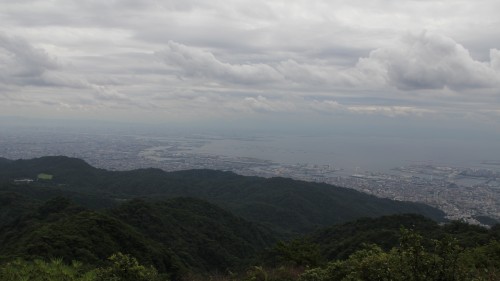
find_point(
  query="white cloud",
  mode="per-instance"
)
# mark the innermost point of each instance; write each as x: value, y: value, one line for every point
x: 327, y: 106
x: 428, y: 61
x: 332, y: 106
x: 391, y: 111
x: 198, y: 63
x: 262, y: 104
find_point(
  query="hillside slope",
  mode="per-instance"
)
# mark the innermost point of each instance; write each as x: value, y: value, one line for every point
x: 171, y: 235
x: 288, y: 206
x: 203, y: 235
x: 340, y: 241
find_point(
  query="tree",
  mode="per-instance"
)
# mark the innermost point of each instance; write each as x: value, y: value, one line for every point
x: 295, y: 253
x: 122, y: 268
x: 127, y: 268
x: 410, y: 261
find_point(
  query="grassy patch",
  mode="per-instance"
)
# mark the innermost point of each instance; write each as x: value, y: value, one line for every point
x: 43, y: 176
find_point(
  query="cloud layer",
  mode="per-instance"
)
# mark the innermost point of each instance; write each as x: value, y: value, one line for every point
x: 196, y: 59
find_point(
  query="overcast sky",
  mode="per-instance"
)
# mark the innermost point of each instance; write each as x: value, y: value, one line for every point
x: 424, y: 61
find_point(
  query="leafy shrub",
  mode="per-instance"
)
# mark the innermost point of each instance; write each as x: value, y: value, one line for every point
x: 39, y: 270
x: 126, y: 268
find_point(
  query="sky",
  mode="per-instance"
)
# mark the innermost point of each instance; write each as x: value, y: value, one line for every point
x: 427, y: 66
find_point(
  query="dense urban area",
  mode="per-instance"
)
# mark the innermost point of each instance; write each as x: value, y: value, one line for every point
x: 464, y: 193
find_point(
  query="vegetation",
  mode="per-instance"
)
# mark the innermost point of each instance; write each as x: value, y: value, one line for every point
x: 120, y: 268
x: 59, y: 229
x: 340, y: 241
x: 126, y: 268
x: 446, y: 261
x: 174, y: 235
x: 203, y: 235
x: 410, y: 260
x: 288, y: 206
x: 39, y: 270
x: 44, y: 176
x: 92, y: 224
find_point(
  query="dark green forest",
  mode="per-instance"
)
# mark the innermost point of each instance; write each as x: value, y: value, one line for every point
x: 85, y: 223
x: 288, y: 206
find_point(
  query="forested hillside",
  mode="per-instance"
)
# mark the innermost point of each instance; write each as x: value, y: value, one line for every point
x: 61, y: 219
x: 172, y: 235
x: 340, y: 241
x: 289, y: 206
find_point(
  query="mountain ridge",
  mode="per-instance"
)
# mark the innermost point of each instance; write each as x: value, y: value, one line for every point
x: 289, y: 206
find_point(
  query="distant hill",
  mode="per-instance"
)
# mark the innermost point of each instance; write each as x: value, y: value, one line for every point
x: 46, y: 190
x: 288, y: 206
x: 67, y: 169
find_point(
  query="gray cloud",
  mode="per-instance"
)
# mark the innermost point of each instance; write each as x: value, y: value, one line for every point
x: 21, y: 63
x: 429, y: 61
x: 495, y: 59
x: 198, y: 63
x: 205, y: 58
x: 194, y: 62
x: 24, y: 67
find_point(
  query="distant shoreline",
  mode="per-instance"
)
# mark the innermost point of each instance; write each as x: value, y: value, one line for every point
x: 492, y: 163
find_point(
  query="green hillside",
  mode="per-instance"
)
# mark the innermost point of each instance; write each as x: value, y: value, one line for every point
x: 340, y: 241
x: 148, y: 224
x: 191, y: 239
x: 288, y: 206
x: 12, y: 206
x: 171, y: 235
x: 203, y: 235
x: 397, y: 247
x: 42, y: 191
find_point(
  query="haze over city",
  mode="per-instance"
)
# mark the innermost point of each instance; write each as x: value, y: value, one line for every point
x: 398, y: 80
